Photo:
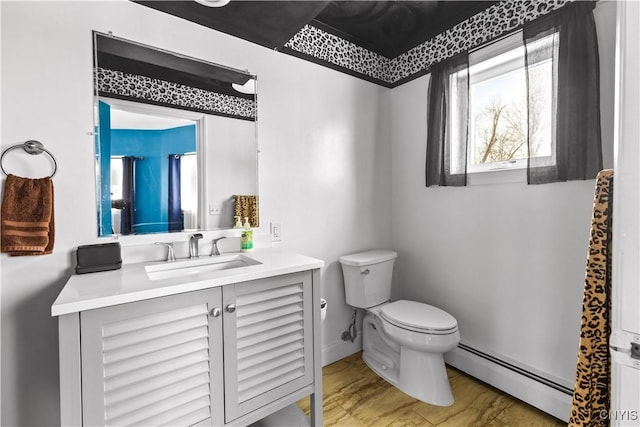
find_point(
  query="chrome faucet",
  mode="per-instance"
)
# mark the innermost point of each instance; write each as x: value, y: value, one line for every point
x: 170, y: 255
x: 214, y: 248
x: 193, y: 245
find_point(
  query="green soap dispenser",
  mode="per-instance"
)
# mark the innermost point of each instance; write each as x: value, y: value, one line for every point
x: 246, y: 241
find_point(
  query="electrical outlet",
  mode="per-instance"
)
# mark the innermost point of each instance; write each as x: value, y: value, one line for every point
x: 276, y: 232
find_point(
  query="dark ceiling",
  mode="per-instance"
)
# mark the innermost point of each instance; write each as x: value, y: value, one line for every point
x: 267, y: 23
x: 389, y: 28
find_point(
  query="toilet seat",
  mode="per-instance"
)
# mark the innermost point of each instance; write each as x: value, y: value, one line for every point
x: 419, y: 317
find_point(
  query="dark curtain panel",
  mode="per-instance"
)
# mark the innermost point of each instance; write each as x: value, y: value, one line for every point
x: 447, y: 123
x: 176, y: 220
x: 127, y: 217
x: 573, y: 50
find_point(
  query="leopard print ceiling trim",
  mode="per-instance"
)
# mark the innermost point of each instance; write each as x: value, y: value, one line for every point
x: 481, y: 28
x: 173, y: 94
x: 591, y: 399
x: 338, y: 51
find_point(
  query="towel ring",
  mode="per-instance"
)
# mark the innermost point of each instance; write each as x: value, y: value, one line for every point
x: 32, y: 147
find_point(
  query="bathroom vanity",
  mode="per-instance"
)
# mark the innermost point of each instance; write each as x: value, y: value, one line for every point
x: 217, y: 341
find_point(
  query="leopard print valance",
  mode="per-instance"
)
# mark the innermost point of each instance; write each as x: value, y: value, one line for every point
x: 170, y: 94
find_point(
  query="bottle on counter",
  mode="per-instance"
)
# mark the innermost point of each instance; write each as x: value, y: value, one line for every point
x: 246, y: 242
x: 238, y: 223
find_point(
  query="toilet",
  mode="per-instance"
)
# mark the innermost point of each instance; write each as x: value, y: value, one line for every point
x: 403, y: 341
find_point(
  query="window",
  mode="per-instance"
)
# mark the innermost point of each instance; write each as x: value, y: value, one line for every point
x: 116, y: 177
x: 499, y: 108
x: 188, y: 190
x: 500, y: 118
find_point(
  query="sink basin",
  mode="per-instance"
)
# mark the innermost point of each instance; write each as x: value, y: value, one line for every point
x: 201, y: 265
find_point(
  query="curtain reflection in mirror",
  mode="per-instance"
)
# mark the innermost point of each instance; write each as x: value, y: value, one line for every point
x: 176, y: 220
x: 181, y: 196
x: 123, y: 200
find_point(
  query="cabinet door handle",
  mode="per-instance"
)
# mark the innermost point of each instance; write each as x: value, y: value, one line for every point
x: 231, y: 308
x: 215, y: 312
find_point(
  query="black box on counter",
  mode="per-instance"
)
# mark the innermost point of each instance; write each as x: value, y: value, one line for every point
x: 100, y: 257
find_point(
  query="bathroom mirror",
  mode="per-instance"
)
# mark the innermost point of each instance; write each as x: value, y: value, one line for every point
x: 175, y: 139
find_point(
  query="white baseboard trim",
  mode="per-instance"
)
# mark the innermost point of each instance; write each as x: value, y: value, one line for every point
x: 339, y: 350
x: 534, y: 393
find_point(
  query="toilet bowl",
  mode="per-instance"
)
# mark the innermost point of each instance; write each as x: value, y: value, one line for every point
x: 421, y: 327
x: 403, y: 341
x: 424, y: 333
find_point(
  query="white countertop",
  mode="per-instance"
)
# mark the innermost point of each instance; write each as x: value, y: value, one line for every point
x: 131, y: 282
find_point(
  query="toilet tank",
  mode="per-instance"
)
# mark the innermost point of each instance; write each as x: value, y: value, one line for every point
x: 367, y: 277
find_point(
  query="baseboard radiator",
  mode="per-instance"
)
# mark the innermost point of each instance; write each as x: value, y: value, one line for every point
x: 530, y: 387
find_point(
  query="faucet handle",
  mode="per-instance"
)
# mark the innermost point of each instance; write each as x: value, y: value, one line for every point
x: 170, y: 255
x: 214, y: 248
x: 196, y: 236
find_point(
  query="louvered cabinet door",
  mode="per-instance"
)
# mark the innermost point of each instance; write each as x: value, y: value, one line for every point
x: 154, y: 362
x: 268, y: 349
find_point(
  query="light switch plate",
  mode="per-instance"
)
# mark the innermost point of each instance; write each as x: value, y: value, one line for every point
x: 215, y: 209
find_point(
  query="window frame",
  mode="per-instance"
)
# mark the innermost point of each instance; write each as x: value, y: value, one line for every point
x: 512, y: 50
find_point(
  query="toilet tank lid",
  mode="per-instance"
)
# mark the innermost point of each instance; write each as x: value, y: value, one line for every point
x: 374, y: 256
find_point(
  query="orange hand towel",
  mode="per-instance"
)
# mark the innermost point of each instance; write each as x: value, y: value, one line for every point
x: 27, y: 216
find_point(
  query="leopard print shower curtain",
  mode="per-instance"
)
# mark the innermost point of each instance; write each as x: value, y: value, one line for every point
x: 591, y: 399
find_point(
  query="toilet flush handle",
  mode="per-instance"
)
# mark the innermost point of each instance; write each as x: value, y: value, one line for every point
x: 365, y: 272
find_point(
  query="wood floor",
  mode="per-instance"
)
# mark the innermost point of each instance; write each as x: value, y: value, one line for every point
x: 354, y: 396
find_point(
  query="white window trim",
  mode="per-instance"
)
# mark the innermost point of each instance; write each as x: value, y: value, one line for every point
x: 513, y: 171
x: 512, y: 48
x: 510, y: 42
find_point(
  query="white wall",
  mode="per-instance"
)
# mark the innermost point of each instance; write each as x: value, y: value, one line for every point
x: 325, y: 174
x: 324, y: 166
x: 231, y: 161
x: 507, y: 260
